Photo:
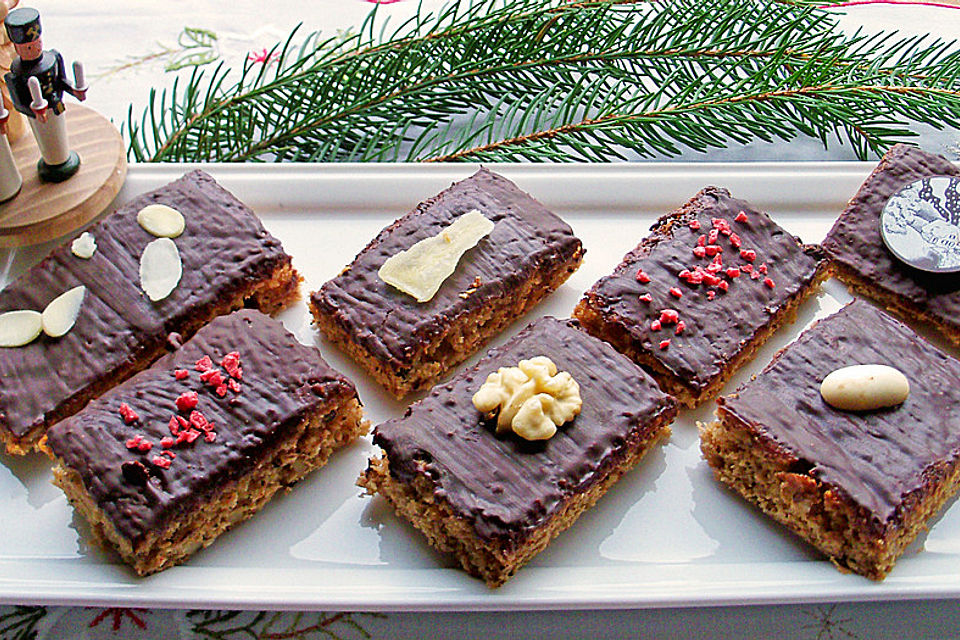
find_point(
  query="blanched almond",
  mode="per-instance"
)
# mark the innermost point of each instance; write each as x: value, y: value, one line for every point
x: 160, y: 268
x: 61, y: 313
x: 161, y: 220
x: 18, y: 328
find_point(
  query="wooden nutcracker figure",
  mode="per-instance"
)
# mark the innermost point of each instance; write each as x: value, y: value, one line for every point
x: 37, y: 80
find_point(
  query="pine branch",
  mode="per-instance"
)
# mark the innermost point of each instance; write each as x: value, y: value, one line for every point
x: 508, y: 80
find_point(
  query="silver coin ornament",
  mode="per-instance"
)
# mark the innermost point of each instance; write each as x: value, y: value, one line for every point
x: 920, y: 224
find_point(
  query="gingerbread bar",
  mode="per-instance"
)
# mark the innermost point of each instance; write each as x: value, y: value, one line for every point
x: 167, y: 461
x: 868, y: 267
x: 408, y: 345
x: 495, y: 501
x: 698, y: 297
x: 857, y: 485
x: 228, y: 261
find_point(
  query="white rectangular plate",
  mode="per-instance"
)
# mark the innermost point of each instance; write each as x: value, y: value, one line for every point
x: 666, y: 535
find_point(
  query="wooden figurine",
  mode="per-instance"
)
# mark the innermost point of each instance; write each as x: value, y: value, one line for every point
x: 10, y: 178
x: 16, y: 123
x: 37, y: 81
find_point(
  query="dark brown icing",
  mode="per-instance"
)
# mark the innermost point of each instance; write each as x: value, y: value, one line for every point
x: 223, y: 248
x: 282, y: 381
x: 714, y: 330
x: 855, y: 241
x: 505, y: 486
x: 876, y: 458
x: 391, y: 325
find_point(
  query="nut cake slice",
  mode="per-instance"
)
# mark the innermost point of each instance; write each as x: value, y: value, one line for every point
x: 167, y: 461
x: 702, y: 292
x: 229, y: 261
x: 408, y: 345
x: 858, y: 486
x: 495, y: 501
x: 865, y: 263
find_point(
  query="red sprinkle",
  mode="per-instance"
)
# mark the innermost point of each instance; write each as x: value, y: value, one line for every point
x: 768, y: 282
x: 680, y: 327
x: 699, y: 251
x: 712, y: 250
x: 723, y: 285
x: 222, y: 389
x: 168, y: 442
x: 735, y: 240
x: 669, y: 316
x: 748, y: 254
x: 694, y: 224
x: 181, y: 374
x: 711, y: 295
x: 210, y: 436
x: 642, y: 277
x: 665, y: 343
x: 741, y: 217
x: 231, y: 363
x: 187, y: 401
x: 204, y: 364
x: 713, y: 237
x: 675, y: 292
x: 646, y: 297
x: 733, y: 272
x: 763, y: 269
x: 160, y: 461
x: 655, y: 325
x: 128, y: 414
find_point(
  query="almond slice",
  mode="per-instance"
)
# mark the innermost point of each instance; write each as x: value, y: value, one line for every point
x: 160, y: 268
x: 421, y: 270
x: 84, y: 246
x: 60, y: 315
x: 161, y: 220
x: 18, y: 328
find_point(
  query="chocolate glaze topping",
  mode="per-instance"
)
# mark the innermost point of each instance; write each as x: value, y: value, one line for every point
x: 855, y: 241
x: 505, y: 486
x: 714, y: 330
x: 282, y: 382
x: 391, y: 325
x: 876, y: 458
x: 223, y: 247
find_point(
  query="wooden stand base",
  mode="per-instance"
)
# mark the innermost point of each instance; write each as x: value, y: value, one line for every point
x: 45, y: 210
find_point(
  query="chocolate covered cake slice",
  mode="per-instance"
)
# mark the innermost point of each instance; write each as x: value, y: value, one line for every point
x: 167, y: 461
x: 496, y: 500
x: 865, y: 263
x: 228, y: 261
x: 858, y: 485
x: 696, y: 298
x: 408, y: 345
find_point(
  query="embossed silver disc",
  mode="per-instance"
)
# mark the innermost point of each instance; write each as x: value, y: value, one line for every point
x: 920, y: 224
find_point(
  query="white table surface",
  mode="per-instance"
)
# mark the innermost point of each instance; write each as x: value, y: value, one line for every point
x: 121, y: 43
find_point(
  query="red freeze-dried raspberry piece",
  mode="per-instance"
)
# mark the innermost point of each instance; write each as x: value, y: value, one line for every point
x: 735, y: 240
x: 702, y: 241
x: 222, y: 389
x: 204, y: 364
x: 170, y: 454
x: 675, y: 292
x: 699, y: 251
x: 723, y: 285
x: 183, y: 422
x: 231, y: 364
x: 181, y: 374
x: 680, y: 327
x: 694, y: 224
x: 713, y: 267
x: 669, y: 316
x: 769, y: 283
x: 741, y: 217
x: 144, y: 446
x: 713, y: 236
x: 712, y: 250
x: 187, y: 400
x: 642, y: 277
x: 174, y: 426
x: 733, y: 272
x: 665, y: 343
x: 199, y: 421
x: 160, y: 461
x: 646, y: 297
x: 128, y: 414
x: 746, y: 268
x: 755, y: 275
x: 168, y: 442
x: 655, y: 325
x: 134, y: 442
x: 711, y: 295
x: 210, y: 436
x: 212, y: 377
x: 711, y: 280
x: 748, y: 254
x: 763, y: 269
x: 233, y: 385
x: 188, y: 436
